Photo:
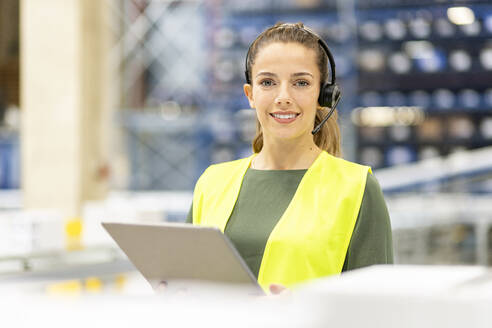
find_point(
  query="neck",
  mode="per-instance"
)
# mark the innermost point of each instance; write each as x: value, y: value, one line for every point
x: 286, y: 155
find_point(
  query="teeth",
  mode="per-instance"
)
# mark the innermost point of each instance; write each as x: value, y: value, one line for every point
x: 284, y: 116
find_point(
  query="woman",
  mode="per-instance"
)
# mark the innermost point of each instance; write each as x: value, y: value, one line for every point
x: 294, y: 210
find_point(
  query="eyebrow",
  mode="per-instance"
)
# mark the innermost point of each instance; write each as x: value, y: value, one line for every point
x: 294, y: 74
x: 302, y: 73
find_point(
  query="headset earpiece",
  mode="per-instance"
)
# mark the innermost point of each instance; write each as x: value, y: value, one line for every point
x: 329, y: 95
x: 246, y: 75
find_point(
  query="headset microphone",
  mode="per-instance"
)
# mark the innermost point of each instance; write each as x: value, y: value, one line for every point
x: 318, y: 127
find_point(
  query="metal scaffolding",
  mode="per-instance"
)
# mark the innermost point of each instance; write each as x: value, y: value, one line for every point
x: 159, y: 57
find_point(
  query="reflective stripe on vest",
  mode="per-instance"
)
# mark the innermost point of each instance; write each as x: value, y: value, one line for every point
x: 312, y: 237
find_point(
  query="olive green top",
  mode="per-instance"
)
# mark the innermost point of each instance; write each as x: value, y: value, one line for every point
x: 265, y: 195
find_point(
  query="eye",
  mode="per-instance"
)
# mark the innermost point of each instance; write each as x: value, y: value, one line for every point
x: 267, y: 83
x: 301, y: 83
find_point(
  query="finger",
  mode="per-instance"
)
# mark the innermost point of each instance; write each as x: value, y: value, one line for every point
x: 161, y: 287
x: 277, y: 289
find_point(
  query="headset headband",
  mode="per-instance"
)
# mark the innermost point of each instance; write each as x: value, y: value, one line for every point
x: 323, y: 46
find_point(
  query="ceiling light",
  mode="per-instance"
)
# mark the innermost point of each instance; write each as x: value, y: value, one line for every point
x: 461, y: 15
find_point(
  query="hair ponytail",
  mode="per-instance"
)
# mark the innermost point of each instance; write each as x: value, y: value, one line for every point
x: 328, y: 137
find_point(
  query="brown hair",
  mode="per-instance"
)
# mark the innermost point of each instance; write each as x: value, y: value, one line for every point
x: 328, y: 138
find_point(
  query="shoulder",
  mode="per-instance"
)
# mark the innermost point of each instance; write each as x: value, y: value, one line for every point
x: 373, y: 213
x: 372, y: 183
x: 373, y: 208
x: 345, y: 171
x: 371, y: 241
x: 346, y: 163
x: 373, y: 189
x: 223, y: 167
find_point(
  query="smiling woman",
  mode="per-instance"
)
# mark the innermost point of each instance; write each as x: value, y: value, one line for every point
x: 307, y: 57
x: 284, y: 91
x: 295, y: 210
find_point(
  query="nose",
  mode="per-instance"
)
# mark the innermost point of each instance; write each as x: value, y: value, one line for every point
x: 283, y: 98
x: 283, y: 101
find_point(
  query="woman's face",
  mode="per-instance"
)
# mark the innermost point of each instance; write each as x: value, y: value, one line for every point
x: 285, y: 87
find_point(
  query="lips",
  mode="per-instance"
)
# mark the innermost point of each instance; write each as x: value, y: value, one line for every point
x: 284, y: 117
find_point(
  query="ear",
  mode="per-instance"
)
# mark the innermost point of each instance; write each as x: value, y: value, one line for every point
x: 248, y: 91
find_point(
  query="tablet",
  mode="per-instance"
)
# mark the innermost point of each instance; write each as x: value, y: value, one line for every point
x: 181, y: 253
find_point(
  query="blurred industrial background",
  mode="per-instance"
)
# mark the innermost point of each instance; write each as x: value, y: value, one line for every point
x: 111, y: 109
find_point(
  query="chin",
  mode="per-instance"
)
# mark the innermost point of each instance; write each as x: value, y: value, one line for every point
x: 288, y: 135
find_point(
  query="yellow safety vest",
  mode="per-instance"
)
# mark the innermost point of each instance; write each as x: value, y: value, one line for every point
x: 312, y: 237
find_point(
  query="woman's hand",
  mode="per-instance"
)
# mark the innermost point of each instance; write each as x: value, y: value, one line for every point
x: 277, y: 289
x: 161, y: 286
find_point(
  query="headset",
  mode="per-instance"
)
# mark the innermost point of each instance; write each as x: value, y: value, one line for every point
x: 329, y: 93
